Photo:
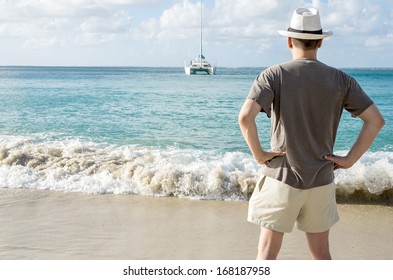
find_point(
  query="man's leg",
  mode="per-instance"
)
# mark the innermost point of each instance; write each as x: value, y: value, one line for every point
x: 269, y: 244
x: 318, y: 245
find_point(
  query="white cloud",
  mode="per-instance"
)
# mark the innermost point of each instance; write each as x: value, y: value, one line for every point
x: 64, y: 22
x: 179, y: 22
x: 225, y: 19
x: 349, y: 17
x: 379, y: 41
x: 181, y: 15
x: 231, y: 27
x: 88, y: 39
x: 246, y: 11
x: 147, y: 30
x: 117, y: 23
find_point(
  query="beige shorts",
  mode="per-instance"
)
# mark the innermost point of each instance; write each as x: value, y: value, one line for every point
x: 277, y: 206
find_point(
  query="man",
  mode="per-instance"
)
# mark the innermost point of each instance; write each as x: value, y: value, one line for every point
x: 304, y: 99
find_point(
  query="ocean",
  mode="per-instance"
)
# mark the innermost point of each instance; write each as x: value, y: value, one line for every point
x: 158, y: 132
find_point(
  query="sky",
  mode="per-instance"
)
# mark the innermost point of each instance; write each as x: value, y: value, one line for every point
x: 161, y: 33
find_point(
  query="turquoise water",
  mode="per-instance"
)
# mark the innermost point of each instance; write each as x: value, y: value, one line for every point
x: 154, y: 131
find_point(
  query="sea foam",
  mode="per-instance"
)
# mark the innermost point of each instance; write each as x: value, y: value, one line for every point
x: 80, y: 166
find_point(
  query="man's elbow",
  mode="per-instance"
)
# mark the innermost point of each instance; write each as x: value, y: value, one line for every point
x: 380, y: 122
x: 373, y: 117
x: 248, y: 113
x: 377, y: 123
x: 243, y: 119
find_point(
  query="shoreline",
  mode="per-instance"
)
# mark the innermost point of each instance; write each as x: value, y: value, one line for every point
x: 363, y: 197
x: 75, y: 226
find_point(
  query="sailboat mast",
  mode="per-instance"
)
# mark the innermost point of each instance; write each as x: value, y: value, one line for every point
x: 200, y: 54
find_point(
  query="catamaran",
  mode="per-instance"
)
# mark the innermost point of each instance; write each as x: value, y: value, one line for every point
x: 199, y: 64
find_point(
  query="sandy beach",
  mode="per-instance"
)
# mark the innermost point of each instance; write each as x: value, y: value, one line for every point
x: 61, y: 226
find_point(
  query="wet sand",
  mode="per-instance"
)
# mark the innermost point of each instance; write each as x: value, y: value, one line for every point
x: 50, y: 225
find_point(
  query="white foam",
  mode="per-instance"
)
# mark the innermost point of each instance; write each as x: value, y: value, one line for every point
x: 77, y: 166
x: 373, y: 173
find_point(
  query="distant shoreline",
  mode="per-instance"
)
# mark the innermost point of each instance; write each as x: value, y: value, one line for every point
x: 178, y: 67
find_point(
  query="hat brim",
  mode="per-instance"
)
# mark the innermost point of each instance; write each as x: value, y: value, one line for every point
x: 305, y: 36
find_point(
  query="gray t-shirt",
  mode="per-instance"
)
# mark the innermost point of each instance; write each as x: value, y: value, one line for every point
x: 305, y: 100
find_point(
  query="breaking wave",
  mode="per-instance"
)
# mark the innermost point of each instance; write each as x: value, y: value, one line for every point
x: 82, y: 166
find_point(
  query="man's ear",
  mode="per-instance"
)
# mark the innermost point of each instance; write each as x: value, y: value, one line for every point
x: 290, y: 45
x: 320, y: 43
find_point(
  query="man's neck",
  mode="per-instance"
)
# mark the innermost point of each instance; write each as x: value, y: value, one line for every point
x: 301, y: 54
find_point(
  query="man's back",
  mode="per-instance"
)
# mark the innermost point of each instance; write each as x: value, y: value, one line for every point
x: 305, y: 99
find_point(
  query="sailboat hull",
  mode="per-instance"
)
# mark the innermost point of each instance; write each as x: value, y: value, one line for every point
x: 192, y: 70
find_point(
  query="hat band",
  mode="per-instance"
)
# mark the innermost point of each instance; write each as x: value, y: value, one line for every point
x: 319, y: 32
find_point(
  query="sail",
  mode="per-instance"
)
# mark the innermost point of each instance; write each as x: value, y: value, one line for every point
x: 199, y: 64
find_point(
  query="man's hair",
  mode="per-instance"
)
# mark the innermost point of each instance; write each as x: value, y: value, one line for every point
x: 305, y: 45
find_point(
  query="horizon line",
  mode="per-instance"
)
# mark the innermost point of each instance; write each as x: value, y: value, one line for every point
x: 223, y: 67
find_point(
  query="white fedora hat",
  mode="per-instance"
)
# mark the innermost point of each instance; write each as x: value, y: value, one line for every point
x: 305, y: 24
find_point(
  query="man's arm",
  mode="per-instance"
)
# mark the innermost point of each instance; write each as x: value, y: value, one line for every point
x: 247, y: 116
x: 372, y: 124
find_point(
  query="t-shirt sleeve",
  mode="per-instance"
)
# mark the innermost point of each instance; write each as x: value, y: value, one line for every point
x: 357, y: 100
x: 262, y: 92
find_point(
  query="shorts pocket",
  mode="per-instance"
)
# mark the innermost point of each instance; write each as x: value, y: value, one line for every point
x: 260, y: 182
